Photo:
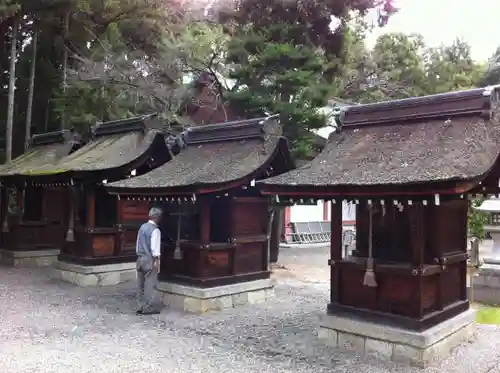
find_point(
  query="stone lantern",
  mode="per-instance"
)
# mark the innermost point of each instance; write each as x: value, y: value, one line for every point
x: 492, y: 207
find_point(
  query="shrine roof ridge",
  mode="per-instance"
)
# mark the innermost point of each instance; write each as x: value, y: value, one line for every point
x: 227, y: 131
x: 53, y: 137
x: 476, y: 101
x: 216, y: 158
x: 120, y: 126
x: 442, y: 139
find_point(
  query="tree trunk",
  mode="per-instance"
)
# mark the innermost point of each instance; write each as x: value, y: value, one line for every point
x: 31, y: 89
x: 12, y: 93
x: 65, y: 64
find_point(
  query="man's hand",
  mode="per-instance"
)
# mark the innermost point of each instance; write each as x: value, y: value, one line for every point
x: 156, y: 263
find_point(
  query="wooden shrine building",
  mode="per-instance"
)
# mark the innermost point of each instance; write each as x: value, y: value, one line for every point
x: 100, y: 240
x: 97, y: 238
x: 34, y: 220
x: 409, y: 166
x: 215, y: 225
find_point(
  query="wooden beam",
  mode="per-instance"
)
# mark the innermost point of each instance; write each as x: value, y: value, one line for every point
x: 417, y: 242
x: 423, y: 190
x: 335, y: 251
x: 91, y: 207
x: 205, y: 222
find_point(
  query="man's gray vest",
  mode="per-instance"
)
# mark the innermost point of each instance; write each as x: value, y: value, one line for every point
x: 143, y: 247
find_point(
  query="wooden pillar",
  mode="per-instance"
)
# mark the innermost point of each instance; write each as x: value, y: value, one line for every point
x: 204, y: 234
x: 73, y: 207
x: 20, y: 202
x: 417, y: 240
x: 91, y: 207
x: 462, y: 211
x: 75, y: 195
x: 119, y: 236
x: 119, y: 210
x: 276, y: 234
x: 205, y: 222
x: 417, y: 234
x: 5, y: 213
x: 433, y: 213
x: 335, y: 250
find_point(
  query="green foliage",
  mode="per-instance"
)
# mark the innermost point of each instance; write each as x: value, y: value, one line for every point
x: 490, y: 74
x: 8, y: 8
x: 98, y: 31
x: 275, y: 75
x: 401, y: 65
x: 86, y: 104
x: 113, y: 78
x: 477, y: 219
x: 451, y: 67
x: 284, y: 57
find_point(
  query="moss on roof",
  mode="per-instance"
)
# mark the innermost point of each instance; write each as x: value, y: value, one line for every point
x: 103, y: 153
x: 211, y: 162
x: 36, y: 159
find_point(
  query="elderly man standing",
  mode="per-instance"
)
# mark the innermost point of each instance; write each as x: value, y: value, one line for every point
x: 148, y: 262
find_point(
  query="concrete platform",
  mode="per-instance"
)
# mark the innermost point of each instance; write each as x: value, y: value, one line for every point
x: 33, y: 258
x: 101, y: 275
x: 396, y: 344
x: 199, y: 300
x: 486, y: 283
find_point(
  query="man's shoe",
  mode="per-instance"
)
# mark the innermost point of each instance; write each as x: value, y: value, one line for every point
x: 151, y: 312
x: 138, y: 312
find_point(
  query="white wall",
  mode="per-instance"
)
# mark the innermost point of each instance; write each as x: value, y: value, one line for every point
x: 303, y: 213
x: 348, y: 211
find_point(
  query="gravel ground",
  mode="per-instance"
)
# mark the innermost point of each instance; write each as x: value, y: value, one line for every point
x: 49, y: 326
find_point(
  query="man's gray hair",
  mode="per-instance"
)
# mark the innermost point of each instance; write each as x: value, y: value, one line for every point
x: 155, y: 212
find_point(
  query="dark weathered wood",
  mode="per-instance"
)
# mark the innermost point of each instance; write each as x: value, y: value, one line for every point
x: 49, y: 231
x: 91, y: 208
x: 417, y: 240
x: 103, y: 245
x: 231, y: 245
x: 133, y: 211
x: 107, y: 245
x: 335, y: 250
x: 416, y: 191
x: 213, y: 281
x: 20, y: 199
x: 276, y: 234
x: 419, y: 263
x: 205, y: 222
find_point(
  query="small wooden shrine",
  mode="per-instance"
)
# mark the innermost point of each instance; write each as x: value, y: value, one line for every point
x: 215, y: 225
x: 34, y: 219
x: 99, y: 230
x: 409, y: 166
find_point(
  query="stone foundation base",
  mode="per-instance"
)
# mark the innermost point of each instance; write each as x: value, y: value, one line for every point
x: 33, y: 258
x: 199, y: 300
x: 396, y: 344
x: 99, y: 275
x: 486, y: 284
